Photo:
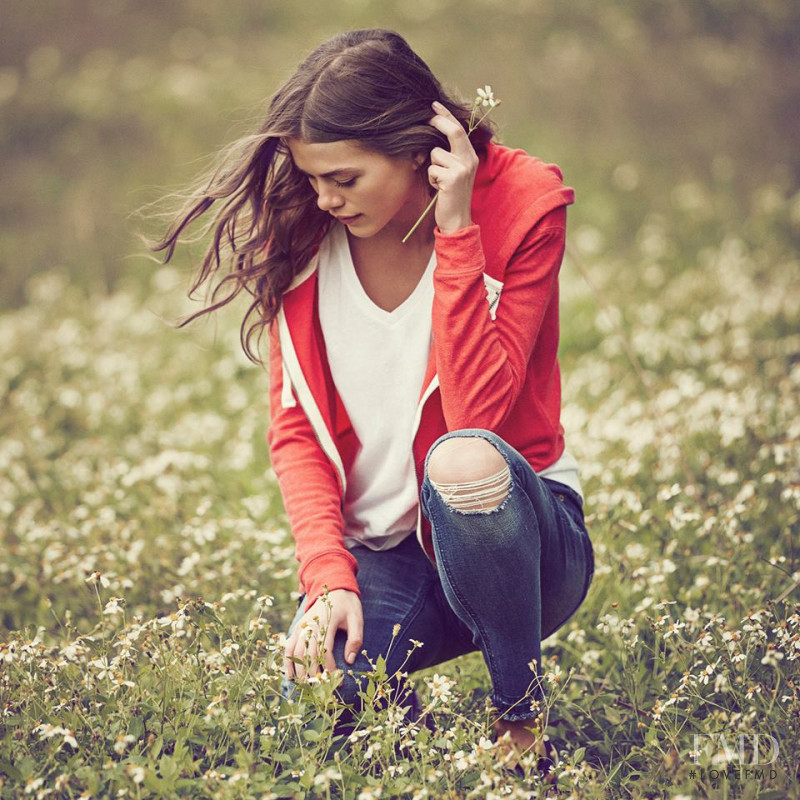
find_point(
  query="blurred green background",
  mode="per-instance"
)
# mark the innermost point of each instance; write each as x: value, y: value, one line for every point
x: 676, y: 122
x: 135, y: 456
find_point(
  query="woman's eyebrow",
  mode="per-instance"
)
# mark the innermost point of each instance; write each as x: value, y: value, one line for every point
x: 330, y: 174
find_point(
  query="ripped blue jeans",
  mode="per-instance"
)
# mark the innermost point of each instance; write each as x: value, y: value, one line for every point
x: 514, y: 563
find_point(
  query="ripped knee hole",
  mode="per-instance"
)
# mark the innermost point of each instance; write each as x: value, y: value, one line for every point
x: 481, y: 496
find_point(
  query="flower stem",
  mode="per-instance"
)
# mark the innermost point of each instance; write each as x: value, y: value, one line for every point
x: 422, y: 217
x: 471, y: 127
x: 496, y: 103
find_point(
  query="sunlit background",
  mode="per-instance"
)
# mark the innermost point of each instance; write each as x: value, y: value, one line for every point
x: 657, y: 112
x: 134, y: 472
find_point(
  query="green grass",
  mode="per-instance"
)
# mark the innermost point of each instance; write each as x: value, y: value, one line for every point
x: 148, y: 571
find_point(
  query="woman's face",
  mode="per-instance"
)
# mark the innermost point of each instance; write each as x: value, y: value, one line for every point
x: 366, y: 191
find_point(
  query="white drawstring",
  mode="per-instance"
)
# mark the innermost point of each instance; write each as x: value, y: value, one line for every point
x: 287, y: 398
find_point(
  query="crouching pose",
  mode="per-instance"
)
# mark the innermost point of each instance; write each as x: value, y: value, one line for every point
x: 414, y: 383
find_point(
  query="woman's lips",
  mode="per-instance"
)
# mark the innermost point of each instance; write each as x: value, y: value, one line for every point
x: 348, y: 220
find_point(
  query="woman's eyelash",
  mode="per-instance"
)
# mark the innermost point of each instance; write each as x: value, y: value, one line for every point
x: 340, y: 184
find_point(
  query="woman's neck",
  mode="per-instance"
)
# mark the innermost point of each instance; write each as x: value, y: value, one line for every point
x: 390, y: 239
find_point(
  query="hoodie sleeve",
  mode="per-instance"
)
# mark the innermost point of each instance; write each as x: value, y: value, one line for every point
x: 482, y: 362
x: 309, y: 487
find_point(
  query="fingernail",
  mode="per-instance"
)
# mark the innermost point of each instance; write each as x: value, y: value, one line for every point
x: 437, y: 104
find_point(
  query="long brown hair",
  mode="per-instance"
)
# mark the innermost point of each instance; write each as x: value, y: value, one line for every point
x: 364, y: 85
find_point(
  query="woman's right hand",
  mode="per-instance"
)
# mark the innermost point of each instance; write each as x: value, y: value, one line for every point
x: 318, y: 626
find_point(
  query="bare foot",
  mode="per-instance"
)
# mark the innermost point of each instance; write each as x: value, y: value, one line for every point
x: 525, y: 736
x: 524, y: 733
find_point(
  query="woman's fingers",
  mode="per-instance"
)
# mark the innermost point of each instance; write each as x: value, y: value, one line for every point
x: 444, y: 164
x: 355, y: 636
x: 304, y: 648
x: 330, y: 661
x: 317, y: 631
x: 296, y: 653
x: 454, y: 131
x: 300, y: 658
x: 443, y: 158
x: 292, y: 650
x: 452, y: 173
x: 288, y: 665
x: 310, y: 656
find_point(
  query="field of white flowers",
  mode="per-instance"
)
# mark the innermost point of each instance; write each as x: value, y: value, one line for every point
x: 148, y: 572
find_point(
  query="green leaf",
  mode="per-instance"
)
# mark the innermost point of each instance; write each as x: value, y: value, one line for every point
x: 26, y: 767
x: 10, y: 770
x: 307, y: 779
x: 156, y: 747
x: 136, y: 727
x: 612, y: 715
x: 750, y: 789
x: 380, y: 668
x: 169, y: 768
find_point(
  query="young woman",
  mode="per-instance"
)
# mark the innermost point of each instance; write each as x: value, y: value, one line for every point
x: 414, y: 386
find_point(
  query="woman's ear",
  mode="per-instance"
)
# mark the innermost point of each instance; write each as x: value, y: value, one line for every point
x: 419, y: 160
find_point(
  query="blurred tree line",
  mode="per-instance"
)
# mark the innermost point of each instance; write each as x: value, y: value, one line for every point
x: 681, y: 113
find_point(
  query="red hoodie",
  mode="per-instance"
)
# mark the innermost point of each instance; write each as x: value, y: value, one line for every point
x: 492, y: 364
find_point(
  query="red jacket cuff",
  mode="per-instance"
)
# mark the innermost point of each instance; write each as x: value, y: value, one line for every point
x: 460, y: 251
x: 332, y: 570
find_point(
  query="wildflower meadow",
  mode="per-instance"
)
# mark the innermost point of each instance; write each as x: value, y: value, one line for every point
x: 148, y: 573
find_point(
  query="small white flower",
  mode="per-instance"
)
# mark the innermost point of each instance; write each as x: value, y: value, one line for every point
x: 97, y: 577
x: 707, y: 672
x: 102, y: 666
x: 136, y: 773
x: 47, y: 731
x: 229, y: 647
x: 772, y: 658
x: 122, y: 742
x: 440, y: 687
x: 555, y: 675
x: 33, y: 784
x: 485, y: 97
x: 738, y: 657
x: 673, y: 628
x: 113, y: 606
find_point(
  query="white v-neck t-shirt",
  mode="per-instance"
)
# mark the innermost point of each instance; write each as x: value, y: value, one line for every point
x: 378, y: 360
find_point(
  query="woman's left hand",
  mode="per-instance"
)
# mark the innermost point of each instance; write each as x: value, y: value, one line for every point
x: 452, y: 173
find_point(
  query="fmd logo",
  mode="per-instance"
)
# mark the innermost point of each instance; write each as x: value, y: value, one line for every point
x: 746, y: 749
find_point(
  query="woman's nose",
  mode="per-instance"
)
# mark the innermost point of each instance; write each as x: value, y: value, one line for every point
x: 328, y: 199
